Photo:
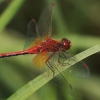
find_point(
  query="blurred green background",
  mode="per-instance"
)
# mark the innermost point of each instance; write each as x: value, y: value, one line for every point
x: 76, y: 20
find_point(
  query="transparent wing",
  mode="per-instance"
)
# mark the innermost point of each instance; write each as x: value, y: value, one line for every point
x: 39, y: 62
x: 64, y: 84
x: 32, y: 33
x: 45, y: 21
x: 42, y: 29
x: 53, y: 64
x: 80, y: 69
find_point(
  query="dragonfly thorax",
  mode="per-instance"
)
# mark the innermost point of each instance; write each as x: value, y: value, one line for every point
x: 65, y: 44
x: 52, y: 45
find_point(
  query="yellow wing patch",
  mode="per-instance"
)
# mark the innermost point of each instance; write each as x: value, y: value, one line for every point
x: 36, y: 42
x: 39, y: 60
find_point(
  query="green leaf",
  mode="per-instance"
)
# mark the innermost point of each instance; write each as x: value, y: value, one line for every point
x: 41, y: 80
x: 10, y: 12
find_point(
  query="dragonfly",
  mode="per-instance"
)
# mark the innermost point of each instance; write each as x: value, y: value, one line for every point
x: 50, y: 52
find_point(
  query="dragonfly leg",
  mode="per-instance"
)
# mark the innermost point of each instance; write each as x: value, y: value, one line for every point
x: 62, y: 58
x: 65, y: 56
x: 51, y: 64
x: 71, y: 56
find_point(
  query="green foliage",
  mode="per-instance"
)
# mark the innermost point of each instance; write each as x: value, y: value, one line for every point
x: 17, y: 77
x: 38, y: 82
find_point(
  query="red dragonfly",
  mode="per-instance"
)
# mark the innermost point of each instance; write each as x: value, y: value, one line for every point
x: 50, y: 52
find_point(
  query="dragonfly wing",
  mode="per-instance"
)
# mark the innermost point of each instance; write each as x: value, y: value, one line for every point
x: 39, y: 62
x: 53, y: 64
x: 45, y: 21
x: 80, y: 69
x: 32, y: 34
x: 42, y: 29
x: 64, y: 84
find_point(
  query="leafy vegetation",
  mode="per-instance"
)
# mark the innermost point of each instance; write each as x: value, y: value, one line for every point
x: 77, y: 20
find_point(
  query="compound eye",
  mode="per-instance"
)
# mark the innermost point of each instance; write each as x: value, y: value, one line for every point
x: 69, y: 42
x: 66, y: 44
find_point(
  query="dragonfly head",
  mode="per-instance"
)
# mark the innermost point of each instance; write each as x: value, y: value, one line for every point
x: 65, y: 44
